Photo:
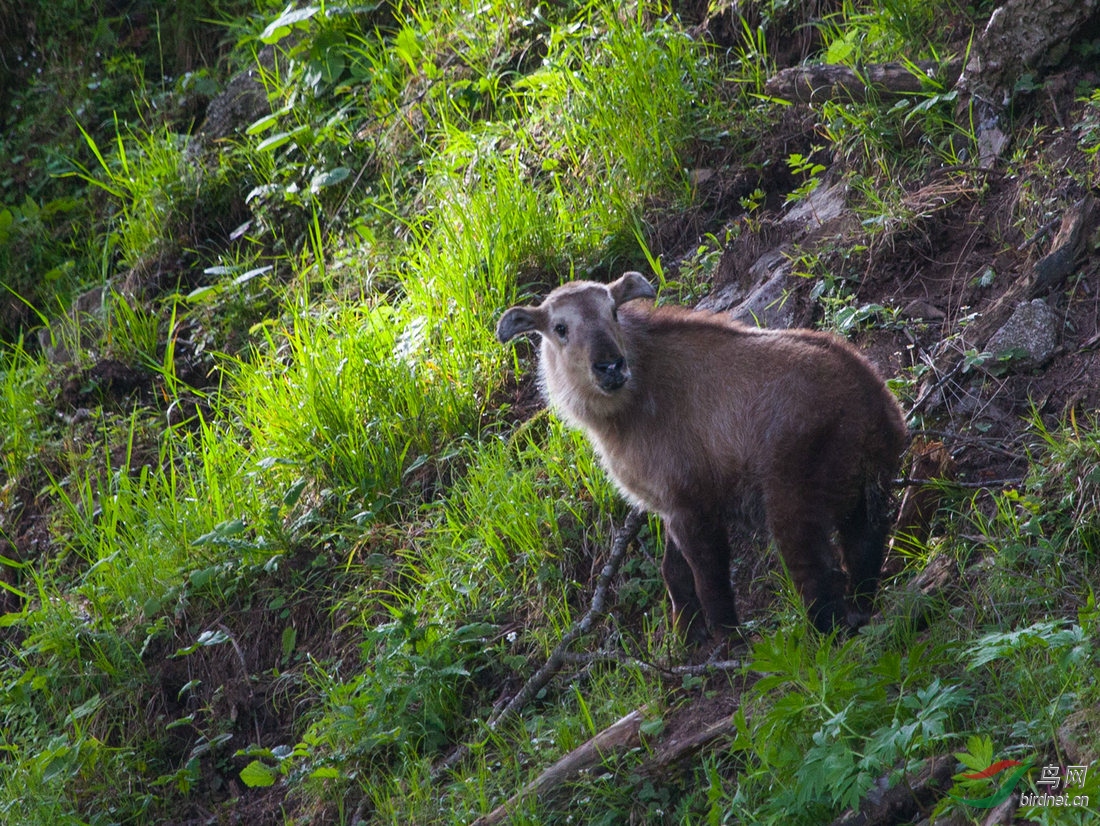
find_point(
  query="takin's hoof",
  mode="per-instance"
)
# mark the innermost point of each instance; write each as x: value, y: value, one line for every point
x: 829, y: 616
x: 728, y: 641
x: 855, y: 620
x: 692, y: 629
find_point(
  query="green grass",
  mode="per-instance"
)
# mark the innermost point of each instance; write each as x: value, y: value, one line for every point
x: 368, y: 403
x: 146, y: 176
x: 22, y: 381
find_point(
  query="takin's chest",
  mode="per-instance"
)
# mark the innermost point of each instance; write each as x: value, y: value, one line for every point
x: 665, y: 474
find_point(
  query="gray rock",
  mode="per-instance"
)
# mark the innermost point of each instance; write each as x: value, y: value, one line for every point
x: 763, y: 295
x: 921, y: 310
x: 824, y: 205
x: 1030, y: 334
x: 243, y: 102
x: 769, y: 303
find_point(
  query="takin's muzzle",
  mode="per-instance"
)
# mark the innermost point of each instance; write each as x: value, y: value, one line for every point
x: 610, y: 374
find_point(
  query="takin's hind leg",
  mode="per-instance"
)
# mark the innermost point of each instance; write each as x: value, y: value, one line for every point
x: 862, y: 542
x: 804, y: 545
x: 701, y: 558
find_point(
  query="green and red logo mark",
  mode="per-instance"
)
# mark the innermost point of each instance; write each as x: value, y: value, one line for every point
x: 1003, y: 791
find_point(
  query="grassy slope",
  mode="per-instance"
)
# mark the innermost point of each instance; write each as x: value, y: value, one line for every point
x: 301, y: 534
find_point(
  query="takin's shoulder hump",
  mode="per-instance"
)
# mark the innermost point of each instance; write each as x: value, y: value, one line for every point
x: 671, y: 323
x: 679, y: 336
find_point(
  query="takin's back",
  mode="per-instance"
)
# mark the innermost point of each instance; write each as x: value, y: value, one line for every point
x: 715, y: 407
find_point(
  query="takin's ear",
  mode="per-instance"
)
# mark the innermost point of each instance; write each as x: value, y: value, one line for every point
x: 629, y: 286
x: 520, y: 320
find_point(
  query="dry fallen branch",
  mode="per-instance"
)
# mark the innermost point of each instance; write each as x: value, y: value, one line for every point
x: 598, y: 608
x: 557, y: 658
x: 622, y: 736
x: 674, y: 751
x: 929, y: 389
x: 671, y: 672
x: 956, y: 483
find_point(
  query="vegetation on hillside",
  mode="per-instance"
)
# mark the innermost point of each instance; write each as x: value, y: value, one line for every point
x: 281, y: 523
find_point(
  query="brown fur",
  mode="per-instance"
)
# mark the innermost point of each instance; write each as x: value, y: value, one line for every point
x: 694, y: 414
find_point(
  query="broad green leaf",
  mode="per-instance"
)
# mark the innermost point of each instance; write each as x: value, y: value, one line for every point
x: 281, y: 27
x: 290, y: 638
x: 329, y: 178
x: 257, y: 775
x: 274, y: 142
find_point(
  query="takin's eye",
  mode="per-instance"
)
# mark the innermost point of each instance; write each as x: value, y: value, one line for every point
x: 561, y: 331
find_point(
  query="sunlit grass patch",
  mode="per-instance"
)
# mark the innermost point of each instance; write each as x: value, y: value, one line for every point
x: 135, y: 519
x: 619, y: 104
x: 22, y: 381
x: 146, y: 175
x: 525, y: 514
x: 351, y: 396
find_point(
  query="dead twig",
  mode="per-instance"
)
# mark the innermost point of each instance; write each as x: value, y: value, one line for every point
x: 930, y: 389
x: 623, y: 735
x: 822, y: 82
x: 557, y: 658
x: 990, y: 444
x: 673, y: 671
x: 595, y: 612
x: 905, y: 482
x: 666, y: 754
x: 1039, y: 234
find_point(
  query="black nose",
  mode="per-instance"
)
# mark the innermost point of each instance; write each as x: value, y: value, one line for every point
x: 610, y: 374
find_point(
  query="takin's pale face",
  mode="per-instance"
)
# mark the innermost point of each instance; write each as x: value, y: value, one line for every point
x: 582, y: 342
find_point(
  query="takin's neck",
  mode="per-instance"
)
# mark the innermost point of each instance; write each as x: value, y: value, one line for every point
x: 587, y: 408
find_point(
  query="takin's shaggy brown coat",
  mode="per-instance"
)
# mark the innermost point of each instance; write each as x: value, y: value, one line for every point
x: 698, y: 418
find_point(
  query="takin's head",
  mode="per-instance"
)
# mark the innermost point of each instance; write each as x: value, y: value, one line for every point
x: 582, y: 343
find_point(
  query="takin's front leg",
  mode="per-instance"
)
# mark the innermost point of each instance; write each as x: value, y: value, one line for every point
x: 687, y: 613
x: 696, y: 569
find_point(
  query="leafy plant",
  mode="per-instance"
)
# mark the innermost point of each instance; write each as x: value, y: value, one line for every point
x: 836, y: 726
x: 802, y: 165
x: 1067, y: 474
x: 146, y: 175
x: 22, y: 380
x: 409, y: 699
